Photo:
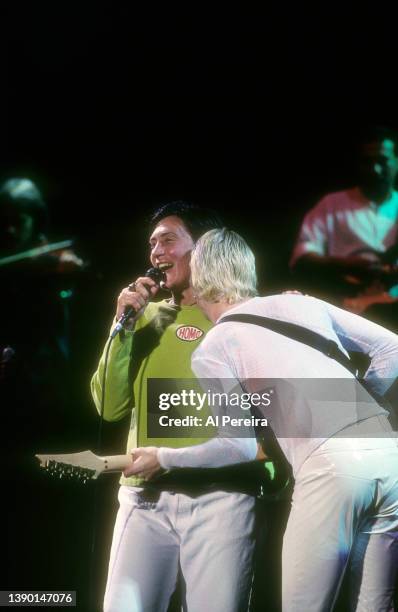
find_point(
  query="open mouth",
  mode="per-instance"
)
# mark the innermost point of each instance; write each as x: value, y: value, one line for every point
x: 165, y: 266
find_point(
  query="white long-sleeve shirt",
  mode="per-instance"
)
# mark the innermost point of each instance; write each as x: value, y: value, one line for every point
x: 246, y: 352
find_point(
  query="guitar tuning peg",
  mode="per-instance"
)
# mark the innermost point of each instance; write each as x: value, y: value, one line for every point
x: 85, y: 475
x: 51, y: 467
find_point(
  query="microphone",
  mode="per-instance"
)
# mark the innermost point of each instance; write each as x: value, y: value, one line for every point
x: 156, y: 275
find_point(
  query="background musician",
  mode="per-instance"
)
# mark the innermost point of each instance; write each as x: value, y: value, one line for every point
x: 347, y: 244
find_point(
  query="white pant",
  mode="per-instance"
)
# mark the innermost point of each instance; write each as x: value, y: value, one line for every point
x: 344, y: 514
x: 211, y: 536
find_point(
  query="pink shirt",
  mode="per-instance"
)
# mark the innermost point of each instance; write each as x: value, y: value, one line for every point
x: 346, y: 223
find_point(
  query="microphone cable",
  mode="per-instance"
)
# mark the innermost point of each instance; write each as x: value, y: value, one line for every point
x: 158, y: 276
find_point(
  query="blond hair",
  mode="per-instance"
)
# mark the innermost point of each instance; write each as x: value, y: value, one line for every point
x: 223, y: 267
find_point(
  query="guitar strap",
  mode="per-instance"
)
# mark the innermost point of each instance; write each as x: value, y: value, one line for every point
x: 312, y: 339
x: 298, y: 333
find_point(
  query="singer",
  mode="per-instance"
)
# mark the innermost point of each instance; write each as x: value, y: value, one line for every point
x: 208, y: 532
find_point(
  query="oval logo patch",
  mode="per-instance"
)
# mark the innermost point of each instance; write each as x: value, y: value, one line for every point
x: 188, y: 333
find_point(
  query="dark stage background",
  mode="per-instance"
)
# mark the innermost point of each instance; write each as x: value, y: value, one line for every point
x: 113, y: 109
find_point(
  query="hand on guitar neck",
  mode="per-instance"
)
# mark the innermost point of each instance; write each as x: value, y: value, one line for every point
x: 357, y: 281
x: 373, y: 292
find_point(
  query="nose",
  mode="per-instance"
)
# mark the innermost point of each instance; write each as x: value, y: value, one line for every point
x: 378, y: 169
x: 157, y: 250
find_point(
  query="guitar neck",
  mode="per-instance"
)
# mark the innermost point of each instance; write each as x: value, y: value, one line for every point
x: 116, y: 463
x: 84, y: 464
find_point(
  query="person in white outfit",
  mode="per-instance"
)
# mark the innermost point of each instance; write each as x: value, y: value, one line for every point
x: 344, y: 514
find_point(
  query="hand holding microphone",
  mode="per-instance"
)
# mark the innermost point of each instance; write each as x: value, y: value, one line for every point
x: 134, y: 298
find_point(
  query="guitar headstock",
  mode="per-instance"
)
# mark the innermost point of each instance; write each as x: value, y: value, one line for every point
x: 82, y: 466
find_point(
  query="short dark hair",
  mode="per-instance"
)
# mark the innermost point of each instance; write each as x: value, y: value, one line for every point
x: 196, y: 219
x: 377, y: 133
x: 23, y: 195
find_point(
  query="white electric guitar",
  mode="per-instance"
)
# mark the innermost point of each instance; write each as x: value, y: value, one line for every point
x: 83, y: 466
x: 86, y: 465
